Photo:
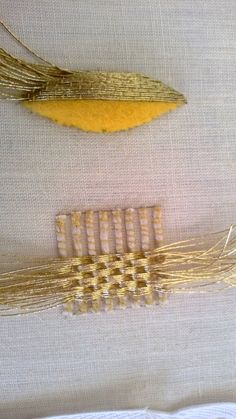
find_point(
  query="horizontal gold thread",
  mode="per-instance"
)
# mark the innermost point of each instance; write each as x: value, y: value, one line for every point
x: 186, y: 266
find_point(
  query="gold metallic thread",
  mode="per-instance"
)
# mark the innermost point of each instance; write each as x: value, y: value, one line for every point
x: 119, y: 280
x: 20, y: 80
x: 24, y: 81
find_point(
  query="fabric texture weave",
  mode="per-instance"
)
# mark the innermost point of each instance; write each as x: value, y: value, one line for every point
x: 160, y: 357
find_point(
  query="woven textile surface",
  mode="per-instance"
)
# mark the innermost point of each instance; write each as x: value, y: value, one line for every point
x: 208, y: 411
x: 164, y: 357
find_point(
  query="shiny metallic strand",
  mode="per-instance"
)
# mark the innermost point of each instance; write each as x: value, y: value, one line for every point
x: 103, y: 282
x: 20, y: 80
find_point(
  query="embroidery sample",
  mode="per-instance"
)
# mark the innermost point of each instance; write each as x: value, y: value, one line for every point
x: 89, y: 100
x: 97, y: 280
x: 108, y: 232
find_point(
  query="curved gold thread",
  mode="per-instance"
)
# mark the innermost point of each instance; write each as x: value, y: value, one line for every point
x: 96, y: 101
x: 20, y: 80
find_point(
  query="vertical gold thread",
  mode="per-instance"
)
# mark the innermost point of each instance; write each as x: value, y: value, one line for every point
x: 163, y: 298
x: 130, y: 229
x: 89, y: 222
x: 150, y: 298
x: 77, y: 228
x: 104, y: 231
x: 117, y: 221
x: 61, y: 235
x: 144, y: 227
x: 157, y: 225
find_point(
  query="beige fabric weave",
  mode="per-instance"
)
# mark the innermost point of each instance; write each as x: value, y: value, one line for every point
x: 166, y: 357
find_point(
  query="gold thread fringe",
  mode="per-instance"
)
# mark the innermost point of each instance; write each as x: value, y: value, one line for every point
x: 110, y: 280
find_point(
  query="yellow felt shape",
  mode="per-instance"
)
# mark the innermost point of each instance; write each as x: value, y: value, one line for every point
x: 100, y: 115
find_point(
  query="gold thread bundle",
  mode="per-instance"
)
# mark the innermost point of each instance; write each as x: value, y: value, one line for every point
x: 91, y: 100
x: 120, y: 280
x: 21, y: 80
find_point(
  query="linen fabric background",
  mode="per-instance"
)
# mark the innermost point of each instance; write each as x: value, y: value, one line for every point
x: 160, y: 357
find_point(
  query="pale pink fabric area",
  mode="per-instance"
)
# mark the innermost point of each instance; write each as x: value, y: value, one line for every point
x: 165, y: 358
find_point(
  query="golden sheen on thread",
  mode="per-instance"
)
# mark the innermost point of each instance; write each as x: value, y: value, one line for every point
x: 202, y: 264
x: 94, y: 101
